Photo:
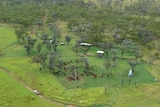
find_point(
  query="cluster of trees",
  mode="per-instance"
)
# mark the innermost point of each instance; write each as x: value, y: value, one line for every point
x: 57, y: 2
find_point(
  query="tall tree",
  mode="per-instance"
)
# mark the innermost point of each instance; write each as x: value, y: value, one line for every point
x: 86, y: 64
x: 39, y: 47
x: 122, y: 49
x: 145, y: 35
x: 107, y: 47
x: 68, y: 39
x: 133, y: 63
x: 28, y: 48
x: 40, y: 59
x: 44, y: 37
x: 95, y: 32
x: 20, y: 33
x: 108, y: 65
x: 39, y: 22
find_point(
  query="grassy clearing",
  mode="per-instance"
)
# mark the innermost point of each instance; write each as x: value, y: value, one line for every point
x: 139, y: 96
x: 14, y: 94
x: 17, y: 62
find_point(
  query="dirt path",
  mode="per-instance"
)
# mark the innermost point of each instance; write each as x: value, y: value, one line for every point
x: 31, y: 89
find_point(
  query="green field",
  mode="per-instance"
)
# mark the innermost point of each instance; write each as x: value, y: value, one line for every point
x: 13, y: 93
x: 141, y: 76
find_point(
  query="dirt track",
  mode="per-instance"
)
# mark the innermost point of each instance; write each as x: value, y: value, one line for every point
x: 31, y: 89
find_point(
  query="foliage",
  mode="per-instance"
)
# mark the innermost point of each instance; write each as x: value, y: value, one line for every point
x: 145, y: 35
x: 68, y: 39
x: 20, y: 33
x: 133, y: 63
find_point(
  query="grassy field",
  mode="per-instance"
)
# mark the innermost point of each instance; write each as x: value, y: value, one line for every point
x: 7, y: 37
x: 110, y: 94
x: 14, y: 94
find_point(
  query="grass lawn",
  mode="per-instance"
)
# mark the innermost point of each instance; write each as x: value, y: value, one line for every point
x: 14, y: 94
x: 141, y: 75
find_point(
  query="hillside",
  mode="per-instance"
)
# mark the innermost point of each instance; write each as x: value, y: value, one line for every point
x: 52, y: 47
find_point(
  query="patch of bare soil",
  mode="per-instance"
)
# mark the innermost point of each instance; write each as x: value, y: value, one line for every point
x: 71, y: 106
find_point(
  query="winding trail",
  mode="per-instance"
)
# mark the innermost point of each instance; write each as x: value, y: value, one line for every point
x: 31, y: 89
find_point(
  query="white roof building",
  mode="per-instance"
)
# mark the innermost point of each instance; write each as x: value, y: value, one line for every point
x: 85, y: 44
x: 100, y: 52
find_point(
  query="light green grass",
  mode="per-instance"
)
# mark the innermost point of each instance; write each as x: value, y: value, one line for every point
x: 14, y: 94
x: 7, y: 36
